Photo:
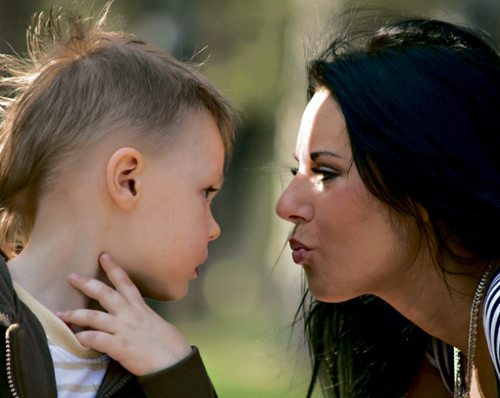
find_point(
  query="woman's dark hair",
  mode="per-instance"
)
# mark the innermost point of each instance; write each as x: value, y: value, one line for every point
x: 421, y: 101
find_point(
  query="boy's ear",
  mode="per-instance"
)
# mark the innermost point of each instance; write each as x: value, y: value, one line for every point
x: 123, y: 177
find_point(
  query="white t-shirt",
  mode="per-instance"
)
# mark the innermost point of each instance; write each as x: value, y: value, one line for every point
x: 79, y: 370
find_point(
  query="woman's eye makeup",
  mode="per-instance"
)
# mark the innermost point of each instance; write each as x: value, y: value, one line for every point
x: 317, y: 167
x: 326, y: 173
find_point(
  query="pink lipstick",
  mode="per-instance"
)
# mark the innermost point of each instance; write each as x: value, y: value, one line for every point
x: 299, y: 251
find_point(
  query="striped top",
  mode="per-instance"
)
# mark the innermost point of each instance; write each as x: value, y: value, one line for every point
x: 440, y: 354
x: 79, y: 371
x: 491, y: 321
x: 76, y: 376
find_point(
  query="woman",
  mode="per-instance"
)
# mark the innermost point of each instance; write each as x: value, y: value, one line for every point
x: 396, y: 210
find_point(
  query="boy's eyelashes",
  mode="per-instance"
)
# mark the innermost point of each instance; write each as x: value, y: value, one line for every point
x: 210, y: 192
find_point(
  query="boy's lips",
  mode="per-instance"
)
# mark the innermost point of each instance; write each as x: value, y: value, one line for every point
x: 299, y: 251
x: 196, y: 271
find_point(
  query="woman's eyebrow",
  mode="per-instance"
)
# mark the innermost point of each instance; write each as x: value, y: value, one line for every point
x: 317, y: 154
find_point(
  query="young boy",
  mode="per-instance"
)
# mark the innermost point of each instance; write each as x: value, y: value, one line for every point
x: 109, y: 148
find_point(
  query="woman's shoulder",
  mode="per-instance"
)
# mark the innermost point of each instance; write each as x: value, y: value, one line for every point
x: 491, y: 319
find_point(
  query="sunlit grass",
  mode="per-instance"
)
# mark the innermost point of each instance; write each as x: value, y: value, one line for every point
x: 246, y: 358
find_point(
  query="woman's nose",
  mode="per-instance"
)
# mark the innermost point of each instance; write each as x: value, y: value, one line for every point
x: 293, y: 205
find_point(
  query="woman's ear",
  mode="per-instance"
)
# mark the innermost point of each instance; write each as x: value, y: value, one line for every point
x: 123, y: 177
x: 424, y: 214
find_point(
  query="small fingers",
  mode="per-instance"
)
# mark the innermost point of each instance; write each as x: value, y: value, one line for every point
x: 110, y: 300
x: 119, y: 278
x: 98, y: 341
x: 97, y: 320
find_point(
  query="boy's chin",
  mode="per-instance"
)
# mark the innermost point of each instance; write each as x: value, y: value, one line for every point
x: 155, y: 290
x: 169, y: 295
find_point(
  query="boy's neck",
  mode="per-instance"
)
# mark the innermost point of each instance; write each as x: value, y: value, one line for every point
x: 75, y: 222
x: 43, y: 267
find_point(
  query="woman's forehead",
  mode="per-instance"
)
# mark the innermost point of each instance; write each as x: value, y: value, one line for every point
x: 322, y: 127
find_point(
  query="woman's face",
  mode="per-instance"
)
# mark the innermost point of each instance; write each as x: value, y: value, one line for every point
x: 344, y: 237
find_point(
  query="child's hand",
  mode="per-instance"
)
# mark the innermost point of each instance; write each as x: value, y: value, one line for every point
x: 129, y: 332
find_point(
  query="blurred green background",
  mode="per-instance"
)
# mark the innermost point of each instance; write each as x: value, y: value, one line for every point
x: 240, y: 311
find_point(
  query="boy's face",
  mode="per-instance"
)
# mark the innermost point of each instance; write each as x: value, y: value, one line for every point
x: 173, y: 221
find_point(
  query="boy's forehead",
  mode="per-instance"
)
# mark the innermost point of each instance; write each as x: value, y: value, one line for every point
x: 199, y: 127
x: 197, y: 140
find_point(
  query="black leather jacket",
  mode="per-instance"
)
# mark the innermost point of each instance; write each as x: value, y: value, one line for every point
x: 27, y: 371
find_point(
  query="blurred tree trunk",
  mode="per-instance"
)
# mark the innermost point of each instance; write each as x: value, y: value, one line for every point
x: 15, y: 16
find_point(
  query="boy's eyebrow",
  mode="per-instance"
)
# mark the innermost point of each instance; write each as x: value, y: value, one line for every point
x: 220, y: 182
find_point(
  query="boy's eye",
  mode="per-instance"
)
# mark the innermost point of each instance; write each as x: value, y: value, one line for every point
x: 294, y: 170
x: 209, y: 193
x: 325, y: 173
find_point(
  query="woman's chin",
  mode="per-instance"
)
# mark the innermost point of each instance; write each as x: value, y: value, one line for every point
x: 328, y: 294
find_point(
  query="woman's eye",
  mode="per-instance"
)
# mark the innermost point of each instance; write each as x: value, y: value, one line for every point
x: 325, y: 173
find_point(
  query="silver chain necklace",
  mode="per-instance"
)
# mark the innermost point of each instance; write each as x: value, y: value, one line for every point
x: 462, y: 389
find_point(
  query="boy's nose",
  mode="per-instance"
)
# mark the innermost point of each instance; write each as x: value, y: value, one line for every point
x: 214, y: 231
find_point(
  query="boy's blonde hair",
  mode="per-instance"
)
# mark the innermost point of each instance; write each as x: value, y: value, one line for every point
x: 75, y: 85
